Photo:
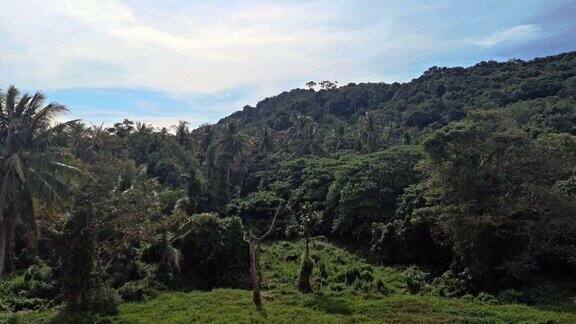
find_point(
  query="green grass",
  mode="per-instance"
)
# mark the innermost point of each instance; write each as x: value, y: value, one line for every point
x: 330, y: 303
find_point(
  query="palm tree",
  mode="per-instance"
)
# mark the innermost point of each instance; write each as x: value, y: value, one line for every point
x: 231, y: 144
x: 182, y: 132
x: 231, y: 141
x: 368, y: 132
x: 33, y: 164
x: 264, y: 141
x: 338, y: 136
x: 305, y: 137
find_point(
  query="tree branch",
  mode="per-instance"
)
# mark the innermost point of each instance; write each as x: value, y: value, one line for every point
x: 272, y: 224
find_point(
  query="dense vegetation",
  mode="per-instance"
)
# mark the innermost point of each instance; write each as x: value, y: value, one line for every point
x: 464, y: 177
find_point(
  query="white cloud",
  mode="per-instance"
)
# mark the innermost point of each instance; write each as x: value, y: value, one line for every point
x: 196, y: 48
x: 511, y: 34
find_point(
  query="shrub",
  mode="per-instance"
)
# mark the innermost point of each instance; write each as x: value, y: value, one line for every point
x: 381, y: 287
x: 356, y: 274
x: 209, y: 243
x: 510, y: 296
x: 416, y: 280
x: 449, y: 285
x: 486, y: 298
x: 306, y: 270
x: 104, y: 301
x: 140, y: 290
x: 40, y: 282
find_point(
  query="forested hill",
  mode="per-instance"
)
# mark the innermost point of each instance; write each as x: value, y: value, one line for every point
x: 464, y: 179
x: 431, y: 101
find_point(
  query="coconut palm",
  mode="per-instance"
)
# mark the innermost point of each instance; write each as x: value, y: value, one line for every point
x: 231, y: 142
x: 264, y: 141
x: 338, y: 136
x: 182, y: 132
x: 33, y: 164
x: 305, y: 137
x: 368, y: 132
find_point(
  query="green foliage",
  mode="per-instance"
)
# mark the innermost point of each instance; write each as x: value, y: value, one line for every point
x: 366, y: 189
x: 79, y: 261
x: 35, y: 289
x: 305, y: 274
x: 103, y: 301
x: 140, y: 290
x: 323, y: 306
x: 213, y: 252
x: 493, y: 190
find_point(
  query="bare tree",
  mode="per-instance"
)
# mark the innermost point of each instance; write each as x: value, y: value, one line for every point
x: 254, y: 245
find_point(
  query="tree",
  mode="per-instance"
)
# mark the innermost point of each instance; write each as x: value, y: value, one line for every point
x: 493, y: 191
x: 328, y: 85
x: 231, y: 145
x: 79, y: 259
x: 311, y: 85
x: 368, y: 132
x: 189, y: 204
x: 303, y: 228
x: 305, y: 138
x: 265, y: 141
x: 231, y: 141
x: 338, y: 136
x: 182, y: 133
x: 255, y: 250
x: 34, y: 164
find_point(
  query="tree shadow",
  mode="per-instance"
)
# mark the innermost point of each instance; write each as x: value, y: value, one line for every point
x: 262, y: 311
x: 329, y: 304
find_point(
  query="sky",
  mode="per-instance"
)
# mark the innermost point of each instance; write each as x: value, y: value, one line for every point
x: 160, y: 61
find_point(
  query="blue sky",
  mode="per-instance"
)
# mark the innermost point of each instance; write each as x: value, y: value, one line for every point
x: 161, y: 61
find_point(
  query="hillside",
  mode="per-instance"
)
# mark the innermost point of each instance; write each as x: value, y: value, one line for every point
x: 439, y: 96
x: 448, y: 198
x: 329, y: 304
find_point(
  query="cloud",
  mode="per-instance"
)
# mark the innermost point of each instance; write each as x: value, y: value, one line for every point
x: 182, y: 58
x: 512, y: 34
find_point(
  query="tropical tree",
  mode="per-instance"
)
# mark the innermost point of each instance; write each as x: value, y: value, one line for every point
x: 305, y: 138
x: 338, y: 136
x: 264, y: 141
x: 368, y: 132
x: 231, y: 142
x: 182, y: 132
x: 33, y: 164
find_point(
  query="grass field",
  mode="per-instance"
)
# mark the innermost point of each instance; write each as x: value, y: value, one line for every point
x: 333, y: 302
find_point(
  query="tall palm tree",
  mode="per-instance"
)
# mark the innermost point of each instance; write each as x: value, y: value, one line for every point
x: 305, y: 137
x: 230, y: 144
x: 231, y: 141
x: 33, y: 164
x: 368, y: 132
x: 182, y: 132
x: 264, y: 141
x: 338, y: 136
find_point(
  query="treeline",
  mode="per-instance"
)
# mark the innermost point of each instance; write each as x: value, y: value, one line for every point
x: 469, y: 173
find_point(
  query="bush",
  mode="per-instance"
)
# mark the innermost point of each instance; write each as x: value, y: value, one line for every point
x: 449, y: 285
x: 140, y: 290
x: 305, y: 276
x: 40, y: 282
x: 416, y: 280
x: 104, y: 301
x: 212, y: 243
x: 381, y: 287
x: 486, y: 298
x: 510, y: 296
x: 356, y: 274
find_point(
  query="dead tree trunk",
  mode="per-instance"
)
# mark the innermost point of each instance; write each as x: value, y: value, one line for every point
x: 254, y: 246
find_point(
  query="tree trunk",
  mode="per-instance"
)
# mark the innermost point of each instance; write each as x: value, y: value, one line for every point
x: 255, y: 272
x: 2, y: 245
x: 10, y: 223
